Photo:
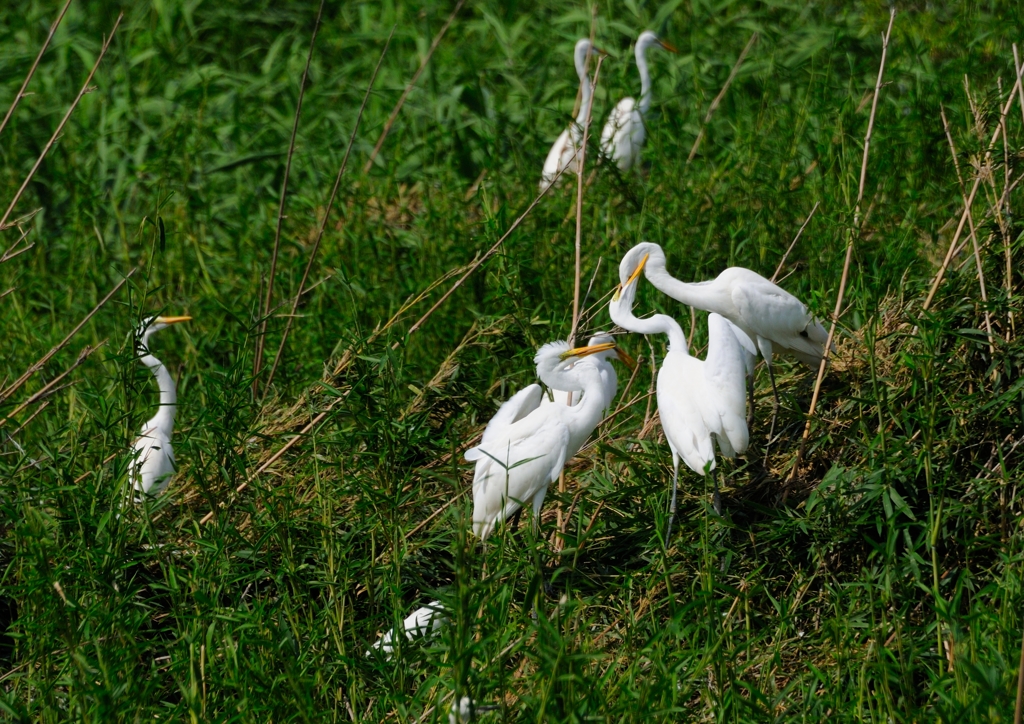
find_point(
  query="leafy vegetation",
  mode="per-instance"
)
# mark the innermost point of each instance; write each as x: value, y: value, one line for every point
x: 880, y: 579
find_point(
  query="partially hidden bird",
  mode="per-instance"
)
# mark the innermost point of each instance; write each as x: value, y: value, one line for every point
x: 771, y: 317
x: 424, y: 621
x: 624, y: 133
x: 526, y: 444
x: 697, y: 399
x: 152, y: 463
x: 562, y: 155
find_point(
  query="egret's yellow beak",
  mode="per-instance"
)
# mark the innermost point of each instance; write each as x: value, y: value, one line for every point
x: 625, y: 358
x: 668, y: 46
x: 586, y: 351
x: 172, y: 320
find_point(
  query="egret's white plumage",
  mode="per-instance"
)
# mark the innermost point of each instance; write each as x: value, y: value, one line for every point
x: 697, y: 399
x: 424, y: 621
x: 526, y: 444
x: 770, y: 316
x: 563, y: 153
x: 602, y: 362
x: 624, y: 133
x: 152, y: 463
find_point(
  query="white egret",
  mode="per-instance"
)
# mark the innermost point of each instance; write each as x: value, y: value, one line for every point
x: 563, y: 153
x: 526, y: 445
x: 770, y: 316
x: 697, y: 399
x: 465, y: 710
x: 424, y: 621
x: 609, y: 379
x: 152, y: 463
x: 623, y: 136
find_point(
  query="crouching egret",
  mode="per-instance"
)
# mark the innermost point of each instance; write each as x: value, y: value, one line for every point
x: 696, y: 398
x: 609, y: 379
x: 152, y: 463
x: 563, y: 153
x: 526, y: 444
x: 770, y: 316
x: 424, y: 621
x: 623, y: 136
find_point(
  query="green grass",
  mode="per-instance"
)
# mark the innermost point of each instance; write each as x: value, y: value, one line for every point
x: 883, y: 584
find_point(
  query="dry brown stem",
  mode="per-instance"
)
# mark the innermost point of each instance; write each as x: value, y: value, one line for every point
x: 46, y: 357
x: 60, y: 126
x: 327, y: 214
x: 796, y: 238
x: 408, y: 89
x: 721, y: 94
x: 35, y: 64
x: 49, y: 387
x: 261, y: 335
x: 853, y: 233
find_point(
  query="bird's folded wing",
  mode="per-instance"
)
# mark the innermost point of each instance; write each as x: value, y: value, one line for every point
x: 780, y: 317
x: 512, y: 410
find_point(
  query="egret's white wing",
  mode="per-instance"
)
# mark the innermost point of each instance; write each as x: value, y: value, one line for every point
x: 623, y: 135
x: 559, y: 157
x: 680, y: 392
x: 511, y: 411
x: 726, y: 391
x: 771, y: 312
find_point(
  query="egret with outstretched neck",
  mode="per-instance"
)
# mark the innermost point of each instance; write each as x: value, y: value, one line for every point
x: 152, y: 463
x: 771, y: 317
x: 624, y: 134
x: 697, y: 399
x: 562, y: 155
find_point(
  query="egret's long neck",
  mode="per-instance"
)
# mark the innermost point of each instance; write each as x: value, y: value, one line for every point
x: 164, y: 417
x: 645, y: 78
x: 586, y: 91
x: 623, y: 316
x: 702, y: 296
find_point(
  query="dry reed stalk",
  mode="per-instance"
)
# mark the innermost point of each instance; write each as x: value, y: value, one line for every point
x: 60, y: 345
x: 580, y: 164
x: 35, y: 64
x: 940, y: 274
x: 48, y: 388
x: 796, y: 238
x: 265, y: 314
x: 60, y: 126
x: 721, y: 94
x: 408, y: 89
x: 970, y: 222
x: 327, y: 215
x: 853, y: 233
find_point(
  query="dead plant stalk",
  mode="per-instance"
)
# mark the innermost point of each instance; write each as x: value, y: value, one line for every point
x: 853, y: 233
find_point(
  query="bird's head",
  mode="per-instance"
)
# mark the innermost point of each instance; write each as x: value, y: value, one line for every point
x: 559, y: 355
x: 648, y: 38
x: 640, y: 256
x: 149, y: 325
x: 615, y: 352
x: 584, y: 49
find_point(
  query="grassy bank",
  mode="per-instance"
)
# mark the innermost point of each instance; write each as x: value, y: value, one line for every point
x: 880, y: 579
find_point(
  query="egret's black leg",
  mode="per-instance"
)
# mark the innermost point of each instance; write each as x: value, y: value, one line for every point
x: 716, y: 497
x: 513, y: 522
x: 672, y: 505
x: 775, y: 413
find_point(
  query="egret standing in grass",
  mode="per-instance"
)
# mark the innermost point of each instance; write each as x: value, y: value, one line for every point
x: 696, y: 398
x: 152, y: 463
x: 624, y: 134
x: 526, y: 444
x: 769, y: 315
x: 563, y: 153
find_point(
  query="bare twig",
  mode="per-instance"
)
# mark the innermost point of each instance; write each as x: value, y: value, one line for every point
x: 487, y: 255
x: 408, y: 89
x: 261, y: 336
x: 35, y: 64
x: 853, y: 233
x: 970, y: 200
x: 581, y: 159
x: 60, y: 126
x: 46, y: 357
x: 721, y: 94
x: 970, y: 222
x: 48, y: 388
x: 796, y: 238
x: 327, y: 213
